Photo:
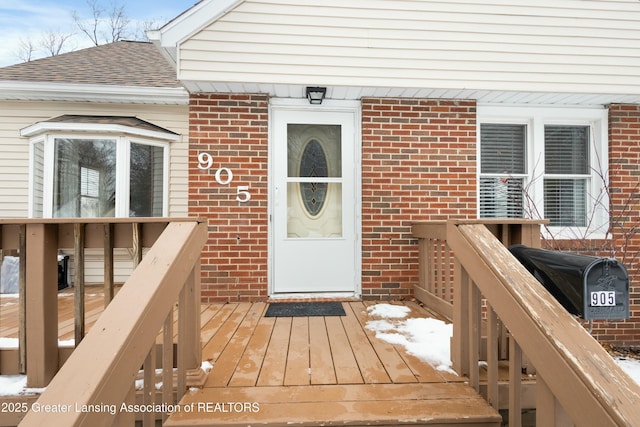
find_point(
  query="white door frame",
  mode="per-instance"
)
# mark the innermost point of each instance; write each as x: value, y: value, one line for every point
x: 293, y: 105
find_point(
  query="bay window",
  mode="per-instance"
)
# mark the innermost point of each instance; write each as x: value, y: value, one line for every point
x: 544, y: 163
x: 119, y: 172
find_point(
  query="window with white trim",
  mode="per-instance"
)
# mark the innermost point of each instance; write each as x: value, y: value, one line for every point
x: 120, y: 172
x: 544, y: 163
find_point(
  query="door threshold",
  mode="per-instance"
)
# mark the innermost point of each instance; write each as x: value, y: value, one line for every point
x: 315, y: 296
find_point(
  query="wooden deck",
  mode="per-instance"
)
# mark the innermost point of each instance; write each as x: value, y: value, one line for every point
x: 302, y: 370
x: 94, y: 306
x: 319, y: 371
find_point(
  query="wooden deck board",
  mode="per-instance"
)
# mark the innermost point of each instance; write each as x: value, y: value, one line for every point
x: 226, y: 364
x: 321, y: 362
x: 307, y: 370
x: 396, y: 367
x: 297, y: 370
x: 380, y: 404
x: 325, y: 370
x: 371, y: 367
x: 250, y: 364
x: 344, y: 361
x: 210, y: 328
x: 94, y: 306
x: 214, y: 348
x: 275, y: 359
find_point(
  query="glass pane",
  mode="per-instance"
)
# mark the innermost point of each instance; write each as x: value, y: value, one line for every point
x: 502, y: 148
x: 314, y: 169
x: 501, y: 197
x: 313, y: 195
x: 38, y: 179
x: 314, y: 150
x: 84, y: 178
x: 566, y: 150
x: 326, y: 223
x: 565, y: 202
x: 146, y: 180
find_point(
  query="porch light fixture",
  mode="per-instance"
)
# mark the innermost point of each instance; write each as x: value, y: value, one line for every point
x: 315, y: 95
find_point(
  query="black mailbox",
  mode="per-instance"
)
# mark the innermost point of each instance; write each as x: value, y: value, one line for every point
x: 587, y: 286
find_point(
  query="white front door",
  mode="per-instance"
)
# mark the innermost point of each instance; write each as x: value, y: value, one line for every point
x: 314, y: 198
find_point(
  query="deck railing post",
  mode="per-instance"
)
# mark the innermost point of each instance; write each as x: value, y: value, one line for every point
x: 167, y: 362
x: 108, y: 263
x: 137, y: 243
x: 149, y: 388
x: 459, y: 343
x: 22, y: 301
x: 549, y: 412
x: 515, y: 383
x: 42, y: 303
x: 79, y: 309
x: 424, y: 263
x: 474, y: 318
x: 492, y: 357
x: 189, y: 329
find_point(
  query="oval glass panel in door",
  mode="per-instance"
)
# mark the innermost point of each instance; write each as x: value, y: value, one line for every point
x: 313, y: 163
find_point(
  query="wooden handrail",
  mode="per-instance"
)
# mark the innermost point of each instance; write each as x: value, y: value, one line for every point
x: 102, y: 369
x: 574, y: 372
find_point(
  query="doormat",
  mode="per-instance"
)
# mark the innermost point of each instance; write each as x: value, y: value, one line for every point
x: 304, y: 309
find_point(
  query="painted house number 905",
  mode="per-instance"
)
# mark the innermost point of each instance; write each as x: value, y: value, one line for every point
x: 223, y: 176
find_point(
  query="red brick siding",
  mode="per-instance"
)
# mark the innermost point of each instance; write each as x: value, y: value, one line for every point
x: 624, y: 177
x: 234, y: 130
x: 418, y: 163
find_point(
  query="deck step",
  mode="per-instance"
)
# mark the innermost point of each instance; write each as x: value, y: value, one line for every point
x: 428, y: 404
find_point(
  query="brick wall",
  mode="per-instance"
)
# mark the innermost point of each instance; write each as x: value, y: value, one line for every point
x: 418, y: 163
x: 624, y: 177
x: 233, y: 129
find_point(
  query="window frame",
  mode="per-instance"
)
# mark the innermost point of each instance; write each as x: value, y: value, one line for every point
x: 536, y: 118
x: 123, y: 150
x: 502, y: 176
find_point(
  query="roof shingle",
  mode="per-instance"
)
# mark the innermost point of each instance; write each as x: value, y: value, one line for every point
x: 123, y: 63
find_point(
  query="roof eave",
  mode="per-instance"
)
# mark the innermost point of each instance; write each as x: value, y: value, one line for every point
x: 44, y: 127
x: 189, y: 23
x: 47, y: 91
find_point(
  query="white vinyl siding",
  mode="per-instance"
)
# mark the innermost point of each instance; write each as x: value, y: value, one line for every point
x: 38, y: 179
x: 562, y: 46
x: 94, y: 266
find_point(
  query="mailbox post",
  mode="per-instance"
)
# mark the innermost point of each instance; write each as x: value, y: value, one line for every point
x: 588, y: 287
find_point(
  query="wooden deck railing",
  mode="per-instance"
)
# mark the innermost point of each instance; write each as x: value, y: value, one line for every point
x: 435, y: 286
x: 100, y: 374
x: 37, y: 243
x: 577, y: 382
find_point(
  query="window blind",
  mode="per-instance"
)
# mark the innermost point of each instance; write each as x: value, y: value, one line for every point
x: 502, y: 148
x: 566, y: 150
x: 502, y: 164
x: 565, y: 202
x: 501, y: 197
x: 566, y: 154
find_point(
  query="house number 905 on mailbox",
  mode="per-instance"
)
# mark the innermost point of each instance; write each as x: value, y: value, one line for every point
x: 205, y: 162
x: 603, y: 299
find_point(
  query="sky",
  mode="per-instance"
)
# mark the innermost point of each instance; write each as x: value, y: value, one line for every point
x: 31, y: 19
